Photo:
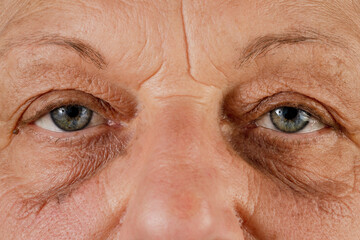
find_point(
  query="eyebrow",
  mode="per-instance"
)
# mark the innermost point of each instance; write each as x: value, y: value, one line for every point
x: 264, y: 44
x: 83, y: 49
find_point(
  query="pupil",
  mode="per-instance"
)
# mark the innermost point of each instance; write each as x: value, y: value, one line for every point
x: 71, y: 117
x: 290, y: 113
x: 72, y: 111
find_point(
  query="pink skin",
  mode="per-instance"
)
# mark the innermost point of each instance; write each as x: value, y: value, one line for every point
x: 177, y: 154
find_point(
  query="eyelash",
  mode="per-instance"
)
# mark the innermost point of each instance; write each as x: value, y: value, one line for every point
x: 244, y: 132
x: 114, y: 121
x: 241, y: 113
x: 282, y: 156
x: 51, y: 125
x: 312, y: 123
x: 262, y: 107
x: 239, y: 121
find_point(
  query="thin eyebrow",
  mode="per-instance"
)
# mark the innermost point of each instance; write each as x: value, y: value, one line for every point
x: 262, y: 45
x: 83, y: 49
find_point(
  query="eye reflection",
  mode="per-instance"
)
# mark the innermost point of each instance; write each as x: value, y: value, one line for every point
x: 72, y: 117
x: 69, y: 118
x: 290, y: 120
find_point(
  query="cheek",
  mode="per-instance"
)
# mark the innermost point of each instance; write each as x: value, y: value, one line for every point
x: 304, y: 167
x: 44, y: 199
x: 46, y: 167
x: 76, y: 216
x: 275, y: 211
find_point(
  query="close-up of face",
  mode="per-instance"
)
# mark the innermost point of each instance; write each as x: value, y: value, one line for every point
x: 180, y: 119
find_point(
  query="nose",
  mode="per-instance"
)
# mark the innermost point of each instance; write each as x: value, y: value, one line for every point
x: 181, y: 193
x: 175, y: 213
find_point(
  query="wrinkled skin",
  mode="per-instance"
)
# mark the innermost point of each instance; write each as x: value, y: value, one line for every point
x: 179, y: 85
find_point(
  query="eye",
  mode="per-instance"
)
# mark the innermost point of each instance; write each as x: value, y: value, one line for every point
x: 69, y: 118
x: 290, y: 120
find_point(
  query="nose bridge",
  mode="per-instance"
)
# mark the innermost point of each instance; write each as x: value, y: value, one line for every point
x: 180, y: 193
x: 180, y: 129
x: 178, y: 165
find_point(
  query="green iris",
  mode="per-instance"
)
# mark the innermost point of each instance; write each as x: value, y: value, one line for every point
x: 289, y: 119
x: 71, y: 117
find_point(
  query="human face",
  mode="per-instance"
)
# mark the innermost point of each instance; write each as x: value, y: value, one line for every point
x: 182, y: 99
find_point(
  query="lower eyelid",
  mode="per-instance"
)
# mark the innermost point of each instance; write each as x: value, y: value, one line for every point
x: 298, y: 162
x: 73, y: 161
x: 67, y: 139
x: 234, y: 110
x: 284, y: 142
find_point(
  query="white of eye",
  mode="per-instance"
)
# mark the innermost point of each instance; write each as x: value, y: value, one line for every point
x: 313, y: 125
x: 47, y: 123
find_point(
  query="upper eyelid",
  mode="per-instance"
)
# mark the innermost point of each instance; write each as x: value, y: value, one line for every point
x: 50, y: 101
x: 49, y: 77
x: 313, y: 122
x: 291, y: 99
x: 95, y: 120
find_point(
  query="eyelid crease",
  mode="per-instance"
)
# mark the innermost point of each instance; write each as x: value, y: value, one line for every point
x: 289, y: 99
x: 52, y: 100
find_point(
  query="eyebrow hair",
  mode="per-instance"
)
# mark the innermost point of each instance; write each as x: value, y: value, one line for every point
x: 83, y: 49
x: 262, y: 45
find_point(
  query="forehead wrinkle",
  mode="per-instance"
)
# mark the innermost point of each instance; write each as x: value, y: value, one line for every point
x: 83, y: 49
x: 13, y: 11
x: 264, y: 44
x: 343, y: 13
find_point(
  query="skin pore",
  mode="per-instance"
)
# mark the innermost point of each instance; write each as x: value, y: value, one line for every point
x: 178, y: 150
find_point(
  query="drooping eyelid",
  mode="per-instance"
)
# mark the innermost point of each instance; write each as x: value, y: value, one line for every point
x: 269, y: 103
x: 52, y: 100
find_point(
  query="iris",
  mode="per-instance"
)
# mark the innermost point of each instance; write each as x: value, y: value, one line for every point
x: 71, y: 117
x: 289, y: 119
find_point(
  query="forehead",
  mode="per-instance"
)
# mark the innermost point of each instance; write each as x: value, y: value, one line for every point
x: 175, y: 45
x: 336, y: 10
x: 242, y: 18
x: 146, y: 33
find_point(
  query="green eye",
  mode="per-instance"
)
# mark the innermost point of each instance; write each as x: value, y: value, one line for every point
x: 71, y: 117
x: 289, y: 119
